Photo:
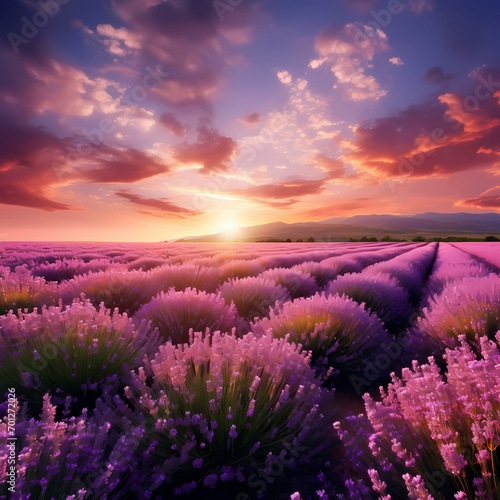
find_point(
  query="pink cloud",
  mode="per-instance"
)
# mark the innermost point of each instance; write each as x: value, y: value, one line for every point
x: 33, y: 86
x: 121, y: 166
x: 26, y: 172
x: 290, y: 190
x: 338, y: 208
x: 347, y: 51
x: 24, y: 196
x: 252, y: 118
x: 34, y: 162
x: 162, y: 205
x: 397, y: 61
x: 119, y: 42
x: 488, y: 199
x: 284, y: 77
x: 212, y: 151
x: 170, y: 122
x: 334, y: 168
x: 189, y: 40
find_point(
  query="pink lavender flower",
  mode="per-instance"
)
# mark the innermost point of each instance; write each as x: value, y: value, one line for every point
x: 298, y: 283
x: 423, y: 411
x: 253, y: 296
x: 115, y: 288
x: 379, y: 293
x: 339, y: 332
x: 19, y: 290
x: 248, y: 376
x: 70, y: 351
x: 416, y: 488
x: 454, y: 462
x: 181, y: 277
x: 471, y: 307
x: 175, y: 313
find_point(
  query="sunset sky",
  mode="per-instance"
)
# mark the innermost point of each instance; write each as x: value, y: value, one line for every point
x: 147, y: 120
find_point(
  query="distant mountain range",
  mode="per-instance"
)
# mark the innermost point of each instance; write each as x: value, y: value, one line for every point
x: 429, y: 225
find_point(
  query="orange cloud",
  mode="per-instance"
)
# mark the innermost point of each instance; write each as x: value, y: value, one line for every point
x: 456, y: 133
x: 333, y: 168
x: 488, y: 199
x: 26, y: 172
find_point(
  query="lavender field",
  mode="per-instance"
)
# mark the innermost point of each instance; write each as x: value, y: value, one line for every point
x: 248, y: 371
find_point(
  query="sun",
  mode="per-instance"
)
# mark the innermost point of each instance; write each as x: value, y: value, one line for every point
x: 229, y: 229
x: 230, y: 226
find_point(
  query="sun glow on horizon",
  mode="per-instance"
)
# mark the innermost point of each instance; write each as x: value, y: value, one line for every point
x: 229, y: 228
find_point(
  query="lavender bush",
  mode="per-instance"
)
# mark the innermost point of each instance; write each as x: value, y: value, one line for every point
x: 126, y: 290
x: 470, y: 308
x: 253, y: 296
x: 379, y: 293
x: 431, y: 435
x: 66, y: 269
x: 183, y: 276
x: 411, y: 269
x: 72, y: 459
x: 228, y: 415
x: 452, y: 266
x: 20, y: 290
x: 321, y: 273
x: 175, y: 313
x: 298, y: 283
x: 235, y: 269
x: 69, y: 352
x: 339, y: 333
x: 220, y: 407
x: 145, y: 264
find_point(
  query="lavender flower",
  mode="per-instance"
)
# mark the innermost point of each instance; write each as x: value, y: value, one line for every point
x: 174, y: 313
x: 379, y: 293
x: 253, y: 375
x: 339, y: 332
x: 253, y: 296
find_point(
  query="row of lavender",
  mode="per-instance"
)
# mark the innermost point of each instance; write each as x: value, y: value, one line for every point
x: 123, y: 413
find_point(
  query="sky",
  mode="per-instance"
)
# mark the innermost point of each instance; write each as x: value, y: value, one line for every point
x: 149, y: 120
